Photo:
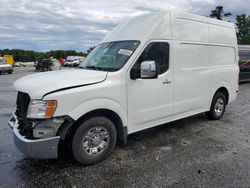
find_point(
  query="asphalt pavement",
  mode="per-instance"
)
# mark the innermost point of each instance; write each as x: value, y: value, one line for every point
x: 192, y: 152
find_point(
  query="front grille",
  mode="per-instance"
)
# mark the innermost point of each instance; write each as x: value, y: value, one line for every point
x: 22, y: 105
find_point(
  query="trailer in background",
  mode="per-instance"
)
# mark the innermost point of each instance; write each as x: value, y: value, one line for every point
x: 9, y: 59
x: 49, y: 64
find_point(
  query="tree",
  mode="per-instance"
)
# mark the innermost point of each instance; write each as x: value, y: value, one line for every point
x: 243, y: 27
x: 26, y: 55
x: 219, y: 13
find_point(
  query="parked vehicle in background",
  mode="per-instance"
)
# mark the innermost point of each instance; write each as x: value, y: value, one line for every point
x: 28, y: 64
x: 81, y: 60
x: 73, y: 61
x: 17, y: 64
x: 48, y: 65
x: 61, y: 60
x: 244, y: 62
x: 9, y: 59
x: 150, y: 70
x: 5, y: 67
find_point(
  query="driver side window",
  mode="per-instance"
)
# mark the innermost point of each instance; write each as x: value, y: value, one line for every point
x: 155, y: 51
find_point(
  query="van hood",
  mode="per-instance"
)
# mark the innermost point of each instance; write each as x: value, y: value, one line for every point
x: 39, y: 84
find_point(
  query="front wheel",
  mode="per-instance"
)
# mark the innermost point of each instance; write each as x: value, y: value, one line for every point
x: 218, y: 107
x: 94, y: 140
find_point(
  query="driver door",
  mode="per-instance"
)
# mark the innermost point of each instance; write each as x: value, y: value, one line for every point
x: 150, y: 101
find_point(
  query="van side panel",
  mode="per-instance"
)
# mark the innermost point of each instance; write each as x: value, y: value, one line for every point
x: 189, y: 28
x: 221, y: 35
x: 221, y: 32
x: 224, y: 70
x: 205, y: 59
x: 192, y: 77
x: 224, y: 58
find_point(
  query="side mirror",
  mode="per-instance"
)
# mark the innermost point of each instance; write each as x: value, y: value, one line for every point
x: 149, y: 70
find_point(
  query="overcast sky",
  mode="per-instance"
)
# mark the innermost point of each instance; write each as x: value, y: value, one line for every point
x: 43, y: 25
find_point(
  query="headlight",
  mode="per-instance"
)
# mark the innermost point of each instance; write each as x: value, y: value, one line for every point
x: 41, y: 109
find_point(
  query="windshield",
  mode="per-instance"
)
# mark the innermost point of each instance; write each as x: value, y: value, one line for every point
x: 244, y: 55
x: 110, y: 56
x: 2, y: 62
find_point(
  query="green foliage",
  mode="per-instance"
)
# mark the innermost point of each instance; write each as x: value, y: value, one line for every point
x: 243, y: 26
x: 219, y: 13
x: 26, y: 55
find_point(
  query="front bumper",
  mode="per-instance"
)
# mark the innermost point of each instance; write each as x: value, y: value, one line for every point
x: 46, y: 148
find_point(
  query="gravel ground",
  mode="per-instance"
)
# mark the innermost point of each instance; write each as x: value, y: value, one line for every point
x: 191, y: 152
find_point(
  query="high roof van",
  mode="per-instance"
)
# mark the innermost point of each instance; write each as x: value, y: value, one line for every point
x: 150, y: 70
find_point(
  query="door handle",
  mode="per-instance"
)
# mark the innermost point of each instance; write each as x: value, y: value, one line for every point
x: 167, y: 82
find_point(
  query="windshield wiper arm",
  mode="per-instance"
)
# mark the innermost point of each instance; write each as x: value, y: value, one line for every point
x: 98, y: 68
x: 93, y: 67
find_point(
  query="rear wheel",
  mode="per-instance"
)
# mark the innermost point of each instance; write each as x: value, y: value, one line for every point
x: 94, y: 140
x: 218, y: 106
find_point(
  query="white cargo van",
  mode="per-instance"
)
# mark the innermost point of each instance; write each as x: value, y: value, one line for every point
x: 148, y: 71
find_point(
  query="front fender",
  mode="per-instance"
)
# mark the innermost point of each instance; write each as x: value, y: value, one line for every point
x: 99, y: 103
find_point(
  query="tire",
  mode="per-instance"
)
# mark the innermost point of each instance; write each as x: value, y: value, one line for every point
x: 218, y: 107
x: 94, y: 140
x: 10, y: 72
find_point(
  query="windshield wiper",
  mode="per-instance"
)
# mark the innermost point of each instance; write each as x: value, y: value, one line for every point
x: 88, y: 67
x: 98, y: 68
x: 93, y: 67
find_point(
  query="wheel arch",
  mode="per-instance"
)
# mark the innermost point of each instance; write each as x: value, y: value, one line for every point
x: 110, y: 114
x: 223, y: 90
x: 224, y: 87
